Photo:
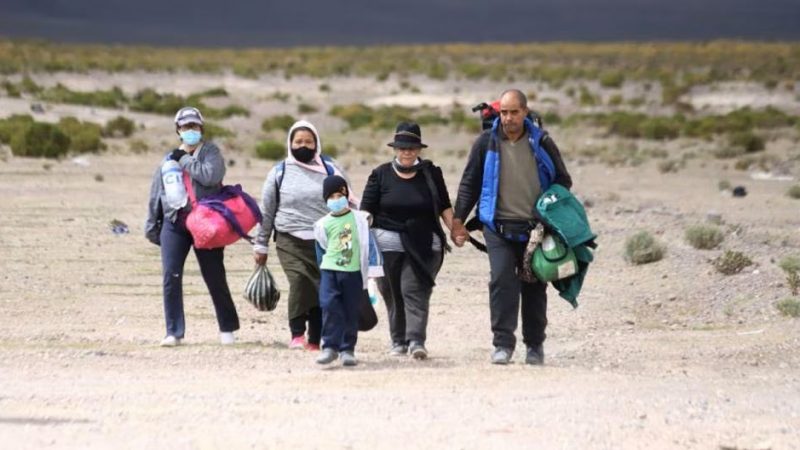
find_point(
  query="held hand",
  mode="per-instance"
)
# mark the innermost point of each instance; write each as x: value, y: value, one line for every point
x: 459, y: 233
x: 177, y: 154
x: 260, y: 258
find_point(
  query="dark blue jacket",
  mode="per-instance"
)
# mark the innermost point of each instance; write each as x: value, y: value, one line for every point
x: 480, y: 181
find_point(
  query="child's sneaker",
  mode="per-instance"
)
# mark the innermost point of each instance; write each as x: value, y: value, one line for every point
x: 327, y: 356
x: 297, y: 343
x: 227, y: 338
x: 312, y: 347
x: 348, y: 359
x: 170, y: 341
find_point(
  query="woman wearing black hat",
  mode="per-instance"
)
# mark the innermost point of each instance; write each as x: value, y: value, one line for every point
x: 406, y: 198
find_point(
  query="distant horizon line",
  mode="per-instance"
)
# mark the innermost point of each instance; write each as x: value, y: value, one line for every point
x: 39, y: 40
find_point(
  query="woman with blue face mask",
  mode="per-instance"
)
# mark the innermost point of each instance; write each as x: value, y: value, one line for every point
x: 407, y: 197
x: 291, y: 203
x: 199, y: 163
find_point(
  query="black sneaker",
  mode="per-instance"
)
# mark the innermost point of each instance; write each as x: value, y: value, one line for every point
x: 535, y: 356
x: 398, y: 349
x: 417, y: 350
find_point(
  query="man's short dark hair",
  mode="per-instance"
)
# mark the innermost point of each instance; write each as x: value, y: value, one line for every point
x: 523, y: 100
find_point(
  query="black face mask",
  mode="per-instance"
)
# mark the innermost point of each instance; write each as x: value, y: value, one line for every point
x: 303, y: 154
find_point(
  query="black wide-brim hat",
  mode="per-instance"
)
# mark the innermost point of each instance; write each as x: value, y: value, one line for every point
x: 407, y: 135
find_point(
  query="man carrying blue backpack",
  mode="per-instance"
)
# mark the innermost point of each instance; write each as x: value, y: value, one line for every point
x: 509, y: 166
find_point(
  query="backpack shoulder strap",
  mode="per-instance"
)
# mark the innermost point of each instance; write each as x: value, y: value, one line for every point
x: 328, y: 162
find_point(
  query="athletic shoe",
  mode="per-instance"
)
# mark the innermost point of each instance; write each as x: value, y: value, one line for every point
x: 297, y: 343
x: 501, y: 356
x: 418, y: 351
x: 327, y: 356
x: 170, y: 341
x: 348, y: 359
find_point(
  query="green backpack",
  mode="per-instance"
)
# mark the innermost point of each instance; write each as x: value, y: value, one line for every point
x: 552, y: 260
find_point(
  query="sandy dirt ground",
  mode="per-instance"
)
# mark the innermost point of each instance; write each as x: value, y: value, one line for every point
x: 665, y: 355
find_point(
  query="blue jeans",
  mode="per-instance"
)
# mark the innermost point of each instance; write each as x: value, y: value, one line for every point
x: 175, y: 244
x: 339, y: 297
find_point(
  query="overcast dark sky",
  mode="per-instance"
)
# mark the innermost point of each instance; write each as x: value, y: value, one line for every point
x: 330, y: 22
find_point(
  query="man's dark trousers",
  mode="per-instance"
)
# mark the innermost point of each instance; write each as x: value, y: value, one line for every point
x: 504, y: 295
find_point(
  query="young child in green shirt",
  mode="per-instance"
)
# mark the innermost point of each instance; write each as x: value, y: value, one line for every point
x: 347, y: 256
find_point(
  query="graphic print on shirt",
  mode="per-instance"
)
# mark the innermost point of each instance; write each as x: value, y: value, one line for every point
x: 345, y: 245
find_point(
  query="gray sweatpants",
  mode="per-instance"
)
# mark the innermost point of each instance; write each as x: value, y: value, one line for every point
x: 407, y: 299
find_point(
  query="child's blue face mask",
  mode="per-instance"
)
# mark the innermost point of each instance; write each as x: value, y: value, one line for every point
x: 337, y: 205
x: 191, y: 137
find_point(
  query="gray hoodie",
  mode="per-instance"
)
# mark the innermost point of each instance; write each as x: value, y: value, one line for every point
x: 206, y: 168
x: 301, y: 203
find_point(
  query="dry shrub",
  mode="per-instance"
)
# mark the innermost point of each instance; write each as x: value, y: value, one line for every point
x: 642, y: 248
x: 704, y: 237
x: 789, y: 307
x: 731, y: 262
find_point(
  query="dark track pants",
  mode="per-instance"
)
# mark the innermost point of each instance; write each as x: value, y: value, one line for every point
x: 175, y: 244
x: 505, y: 289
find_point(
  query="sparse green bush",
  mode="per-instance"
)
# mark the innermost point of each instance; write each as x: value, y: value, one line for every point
x: 789, y: 307
x: 622, y: 123
x: 331, y: 150
x: 748, y: 141
x: 790, y: 264
x: 551, y: 118
x: 724, y: 185
x: 83, y: 136
x: 40, y: 139
x: 137, y: 146
x: 11, y: 89
x: 213, y: 131
x: 29, y: 86
x: 148, y: 100
x: 743, y: 163
x: 586, y: 97
x: 113, y: 98
x: 119, y: 127
x: 642, y: 248
x: 612, y: 79
x: 437, y: 71
x: 358, y: 115
x: 731, y: 262
x: 324, y: 87
x: 14, y: 125
x: 794, y: 191
x: 272, y: 150
x: 793, y: 279
x: 660, y: 128
x: 222, y: 113
x: 280, y: 96
x: 305, y: 108
x: 669, y: 165
x: 213, y: 92
x: 704, y: 237
x: 728, y: 152
x: 280, y: 122
x: 615, y: 100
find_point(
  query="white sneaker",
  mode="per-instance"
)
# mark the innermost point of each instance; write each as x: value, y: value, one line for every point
x: 227, y: 338
x: 170, y: 341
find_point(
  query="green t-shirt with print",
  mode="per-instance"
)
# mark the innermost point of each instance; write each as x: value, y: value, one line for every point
x: 343, y: 252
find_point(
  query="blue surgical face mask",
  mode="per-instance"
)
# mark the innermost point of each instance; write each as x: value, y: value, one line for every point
x: 191, y: 137
x: 337, y: 205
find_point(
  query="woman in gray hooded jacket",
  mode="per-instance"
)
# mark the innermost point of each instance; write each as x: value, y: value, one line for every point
x: 203, y: 163
x: 291, y: 204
